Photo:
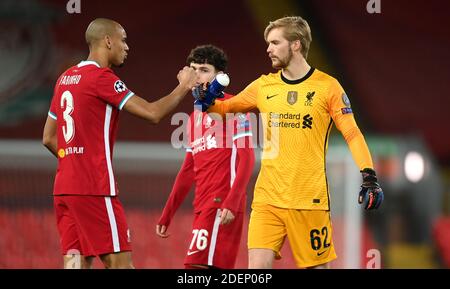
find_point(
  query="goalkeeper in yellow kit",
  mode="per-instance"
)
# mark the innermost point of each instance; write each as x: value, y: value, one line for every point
x: 298, y: 106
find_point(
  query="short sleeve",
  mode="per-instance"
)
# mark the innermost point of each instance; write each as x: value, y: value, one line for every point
x: 113, y: 90
x: 52, y: 110
x: 53, y: 105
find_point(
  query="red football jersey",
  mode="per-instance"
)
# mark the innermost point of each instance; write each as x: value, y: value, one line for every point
x: 85, y: 105
x: 213, y: 146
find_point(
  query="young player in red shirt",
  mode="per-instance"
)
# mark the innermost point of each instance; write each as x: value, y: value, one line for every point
x: 219, y: 161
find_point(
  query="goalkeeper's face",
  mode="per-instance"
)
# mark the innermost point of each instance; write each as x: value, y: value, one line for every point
x: 279, y: 49
x: 119, y: 47
x: 205, y: 72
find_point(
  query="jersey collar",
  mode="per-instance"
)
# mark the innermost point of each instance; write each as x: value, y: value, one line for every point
x: 300, y: 80
x: 88, y: 62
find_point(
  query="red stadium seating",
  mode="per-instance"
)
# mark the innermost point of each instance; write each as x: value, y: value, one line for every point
x: 29, y: 239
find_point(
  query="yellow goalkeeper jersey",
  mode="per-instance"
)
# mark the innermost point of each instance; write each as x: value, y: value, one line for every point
x: 297, y: 117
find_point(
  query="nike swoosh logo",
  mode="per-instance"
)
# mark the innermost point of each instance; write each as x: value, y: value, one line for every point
x: 270, y: 96
x: 192, y: 253
x: 319, y: 254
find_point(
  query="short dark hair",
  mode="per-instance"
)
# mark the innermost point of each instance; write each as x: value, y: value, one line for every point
x: 208, y: 54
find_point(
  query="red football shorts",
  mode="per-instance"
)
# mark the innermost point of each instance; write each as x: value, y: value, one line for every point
x: 92, y: 225
x: 213, y: 244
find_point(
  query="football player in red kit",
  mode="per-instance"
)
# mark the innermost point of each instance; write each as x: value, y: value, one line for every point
x: 80, y: 131
x: 219, y: 160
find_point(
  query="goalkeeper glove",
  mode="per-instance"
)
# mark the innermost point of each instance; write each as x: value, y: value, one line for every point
x: 371, y: 195
x: 205, y: 97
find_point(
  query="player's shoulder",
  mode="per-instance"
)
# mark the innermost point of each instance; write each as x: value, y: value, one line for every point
x: 270, y: 77
x: 73, y: 70
x: 103, y: 71
x: 102, y: 76
x: 93, y: 68
x: 88, y: 68
x: 69, y: 70
x: 324, y: 77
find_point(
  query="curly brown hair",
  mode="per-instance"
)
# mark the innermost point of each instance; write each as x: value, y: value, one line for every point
x: 208, y: 54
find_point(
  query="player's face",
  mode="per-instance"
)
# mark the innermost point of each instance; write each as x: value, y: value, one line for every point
x: 279, y: 49
x: 119, y: 47
x: 205, y: 72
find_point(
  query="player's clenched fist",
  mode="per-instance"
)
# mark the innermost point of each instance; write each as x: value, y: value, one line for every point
x: 187, y: 77
x: 161, y: 230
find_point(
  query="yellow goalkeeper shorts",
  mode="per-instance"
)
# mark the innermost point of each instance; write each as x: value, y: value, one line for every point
x: 309, y: 233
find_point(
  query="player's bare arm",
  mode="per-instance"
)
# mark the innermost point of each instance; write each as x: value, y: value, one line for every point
x: 49, y: 138
x: 155, y: 111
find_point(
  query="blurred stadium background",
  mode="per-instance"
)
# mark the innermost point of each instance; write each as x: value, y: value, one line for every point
x: 393, y: 65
